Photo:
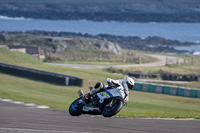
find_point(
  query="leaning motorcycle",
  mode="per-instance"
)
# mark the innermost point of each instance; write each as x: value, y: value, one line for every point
x: 107, y: 102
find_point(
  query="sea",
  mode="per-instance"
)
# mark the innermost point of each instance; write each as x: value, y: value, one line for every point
x: 184, y: 32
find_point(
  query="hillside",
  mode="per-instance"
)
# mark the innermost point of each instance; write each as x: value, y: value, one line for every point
x: 65, y: 48
x: 73, y: 47
x: 105, y: 10
x: 153, y: 44
x: 10, y: 57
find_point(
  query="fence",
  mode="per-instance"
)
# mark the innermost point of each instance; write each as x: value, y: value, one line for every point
x: 179, y: 77
x: 50, y: 77
x: 142, y: 75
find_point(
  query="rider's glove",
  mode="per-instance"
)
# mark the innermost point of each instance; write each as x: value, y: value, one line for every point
x: 109, y: 82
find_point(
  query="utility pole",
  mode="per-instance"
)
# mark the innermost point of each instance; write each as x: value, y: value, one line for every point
x: 100, y: 57
x: 192, y: 59
x: 139, y: 60
x: 177, y: 62
x: 131, y: 58
x: 192, y: 62
x: 124, y: 58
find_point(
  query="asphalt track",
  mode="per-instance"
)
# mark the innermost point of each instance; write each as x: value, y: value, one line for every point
x: 161, y: 61
x: 21, y: 119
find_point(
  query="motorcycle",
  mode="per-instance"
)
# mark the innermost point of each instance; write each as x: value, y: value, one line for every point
x: 106, y: 102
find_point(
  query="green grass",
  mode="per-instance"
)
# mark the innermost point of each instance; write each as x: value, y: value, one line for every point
x: 191, y: 68
x: 7, y: 56
x: 31, y: 91
x: 141, y: 104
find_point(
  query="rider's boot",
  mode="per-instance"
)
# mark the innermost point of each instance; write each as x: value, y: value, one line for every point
x: 87, y: 97
x: 95, y: 89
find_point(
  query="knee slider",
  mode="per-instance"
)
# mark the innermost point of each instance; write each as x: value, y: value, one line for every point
x: 98, y: 85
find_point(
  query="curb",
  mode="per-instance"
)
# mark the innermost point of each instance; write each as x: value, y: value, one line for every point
x: 167, y: 89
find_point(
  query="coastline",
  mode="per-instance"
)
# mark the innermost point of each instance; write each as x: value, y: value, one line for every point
x: 153, y: 44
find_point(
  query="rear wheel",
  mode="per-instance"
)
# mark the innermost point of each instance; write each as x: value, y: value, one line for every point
x: 75, y: 109
x: 109, y: 111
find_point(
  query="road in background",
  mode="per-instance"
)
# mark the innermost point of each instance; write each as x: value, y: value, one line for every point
x: 161, y: 61
x: 21, y: 119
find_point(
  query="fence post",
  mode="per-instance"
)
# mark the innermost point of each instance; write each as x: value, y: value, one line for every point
x: 185, y: 61
x: 192, y: 62
x: 124, y: 58
x: 139, y: 60
x: 177, y: 61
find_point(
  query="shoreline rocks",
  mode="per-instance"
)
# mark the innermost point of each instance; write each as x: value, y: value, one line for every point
x: 154, y: 44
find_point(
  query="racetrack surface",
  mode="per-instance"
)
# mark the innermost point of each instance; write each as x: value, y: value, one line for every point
x: 161, y: 61
x: 21, y: 119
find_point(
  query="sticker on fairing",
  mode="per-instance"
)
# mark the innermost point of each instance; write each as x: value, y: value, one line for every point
x: 103, y: 95
x: 108, y: 94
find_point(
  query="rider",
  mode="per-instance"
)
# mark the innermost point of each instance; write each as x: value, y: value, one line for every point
x: 127, y: 83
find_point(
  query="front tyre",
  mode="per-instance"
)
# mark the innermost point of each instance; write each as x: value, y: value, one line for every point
x: 75, y: 109
x: 111, y: 111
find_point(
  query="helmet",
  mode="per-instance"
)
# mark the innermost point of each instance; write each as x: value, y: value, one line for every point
x: 129, y: 82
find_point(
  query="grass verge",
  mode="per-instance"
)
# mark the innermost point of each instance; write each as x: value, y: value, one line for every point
x: 141, y: 104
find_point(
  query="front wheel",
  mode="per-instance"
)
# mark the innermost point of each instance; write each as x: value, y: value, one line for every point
x: 114, y: 109
x: 75, y: 109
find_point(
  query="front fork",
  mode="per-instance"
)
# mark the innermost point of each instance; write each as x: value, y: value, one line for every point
x: 112, y: 102
x: 80, y: 93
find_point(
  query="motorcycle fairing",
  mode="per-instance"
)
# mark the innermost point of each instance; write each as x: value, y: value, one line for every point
x: 108, y: 94
x: 88, y: 108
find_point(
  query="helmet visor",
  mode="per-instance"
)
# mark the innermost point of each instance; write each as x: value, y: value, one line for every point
x: 129, y: 86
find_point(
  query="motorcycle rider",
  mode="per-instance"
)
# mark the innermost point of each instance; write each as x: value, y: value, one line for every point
x: 127, y: 84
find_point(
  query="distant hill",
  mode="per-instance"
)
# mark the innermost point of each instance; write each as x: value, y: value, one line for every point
x: 154, y: 44
x: 105, y: 10
x: 65, y: 48
x: 92, y: 45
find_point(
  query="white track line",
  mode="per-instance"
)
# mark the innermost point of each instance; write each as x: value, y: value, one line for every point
x: 168, y: 119
x: 30, y: 105
x: 14, y: 130
x: 177, y: 119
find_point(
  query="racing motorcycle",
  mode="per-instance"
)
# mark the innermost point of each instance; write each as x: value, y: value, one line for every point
x: 106, y: 102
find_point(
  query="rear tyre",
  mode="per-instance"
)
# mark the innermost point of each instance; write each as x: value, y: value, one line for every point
x: 75, y: 109
x: 111, y: 111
